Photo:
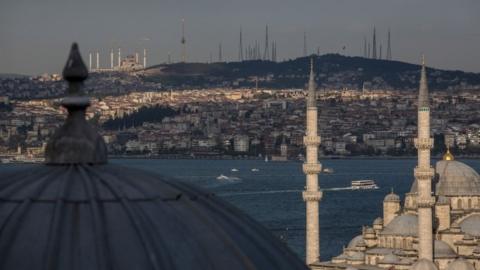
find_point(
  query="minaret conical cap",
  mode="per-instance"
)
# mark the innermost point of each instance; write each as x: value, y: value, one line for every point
x: 423, y: 91
x: 311, y: 100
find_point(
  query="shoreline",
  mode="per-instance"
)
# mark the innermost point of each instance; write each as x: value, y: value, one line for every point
x: 182, y: 157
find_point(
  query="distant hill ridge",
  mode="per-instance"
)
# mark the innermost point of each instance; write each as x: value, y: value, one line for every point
x: 12, y: 76
x: 332, y: 70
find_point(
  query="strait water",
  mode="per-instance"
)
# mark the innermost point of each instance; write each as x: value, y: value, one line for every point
x: 272, y: 195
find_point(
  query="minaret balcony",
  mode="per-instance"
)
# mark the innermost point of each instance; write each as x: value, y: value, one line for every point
x: 312, y: 168
x: 423, y: 173
x: 426, y: 202
x: 311, y: 140
x: 312, y: 195
x: 423, y: 143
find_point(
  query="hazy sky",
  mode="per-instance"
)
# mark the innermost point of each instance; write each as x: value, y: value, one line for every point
x: 35, y: 35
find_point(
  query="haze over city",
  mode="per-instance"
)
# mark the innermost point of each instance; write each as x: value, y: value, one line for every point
x: 34, y: 35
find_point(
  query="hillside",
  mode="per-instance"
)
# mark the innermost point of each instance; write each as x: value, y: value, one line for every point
x: 333, y: 71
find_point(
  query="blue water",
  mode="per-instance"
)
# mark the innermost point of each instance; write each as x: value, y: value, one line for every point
x: 272, y: 195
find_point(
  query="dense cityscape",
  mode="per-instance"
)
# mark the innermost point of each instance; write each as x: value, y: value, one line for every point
x: 139, y: 120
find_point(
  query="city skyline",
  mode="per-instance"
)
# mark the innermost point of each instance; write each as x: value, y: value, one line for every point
x: 35, y: 42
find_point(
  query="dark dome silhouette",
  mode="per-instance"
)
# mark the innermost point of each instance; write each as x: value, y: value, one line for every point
x: 79, y: 212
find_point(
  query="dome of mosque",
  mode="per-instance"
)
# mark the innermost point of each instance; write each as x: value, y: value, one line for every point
x: 356, y: 256
x: 390, y: 259
x: 356, y: 241
x: 423, y: 264
x: 404, y: 225
x: 460, y: 264
x: 392, y: 197
x: 369, y: 230
x: 378, y: 221
x: 79, y: 212
x: 456, y: 179
x: 443, y: 250
x: 471, y: 225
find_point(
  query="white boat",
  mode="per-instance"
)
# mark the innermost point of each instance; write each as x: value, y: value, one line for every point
x: 6, y: 160
x: 228, y: 178
x: 255, y: 170
x: 266, y: 158
x: 363, y: 184
x: 328, y: 170
x: 222, y: 177
x: 234, y: 170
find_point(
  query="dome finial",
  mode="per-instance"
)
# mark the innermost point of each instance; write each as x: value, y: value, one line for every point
x: 448, y: 156
x: 76, y: 142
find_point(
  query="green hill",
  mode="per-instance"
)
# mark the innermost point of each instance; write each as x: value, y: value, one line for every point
x: 332, y: 70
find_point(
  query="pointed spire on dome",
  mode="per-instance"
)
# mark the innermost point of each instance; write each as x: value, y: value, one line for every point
x: 311, y: 99
x: 423, y: 91
x: 76, y: 142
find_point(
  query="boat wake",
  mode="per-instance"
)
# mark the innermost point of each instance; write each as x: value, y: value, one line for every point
x: 228, y: 179
x: 246, y: 193
x: 337, y: 189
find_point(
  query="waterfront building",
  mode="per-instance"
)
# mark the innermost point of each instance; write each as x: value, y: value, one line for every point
x: 241, y: 143
x: 283, y: 151
x: 439, y: 232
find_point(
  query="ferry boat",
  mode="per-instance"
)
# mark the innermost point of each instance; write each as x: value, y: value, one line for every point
x: 363, y: 184
x: 328, y: 170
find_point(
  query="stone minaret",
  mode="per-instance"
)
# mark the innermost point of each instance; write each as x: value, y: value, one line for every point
x: 374, y: 44
x: 424, y: 172
x: 111, y: 59
x: 312, y: 194
x: 144, y: 58
x: 119, y: 57
x: 98, y: 60
x: 89, y: 61
x: 184, y: 44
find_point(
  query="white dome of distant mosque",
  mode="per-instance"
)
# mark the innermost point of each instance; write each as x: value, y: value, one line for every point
x: 456, y: 179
